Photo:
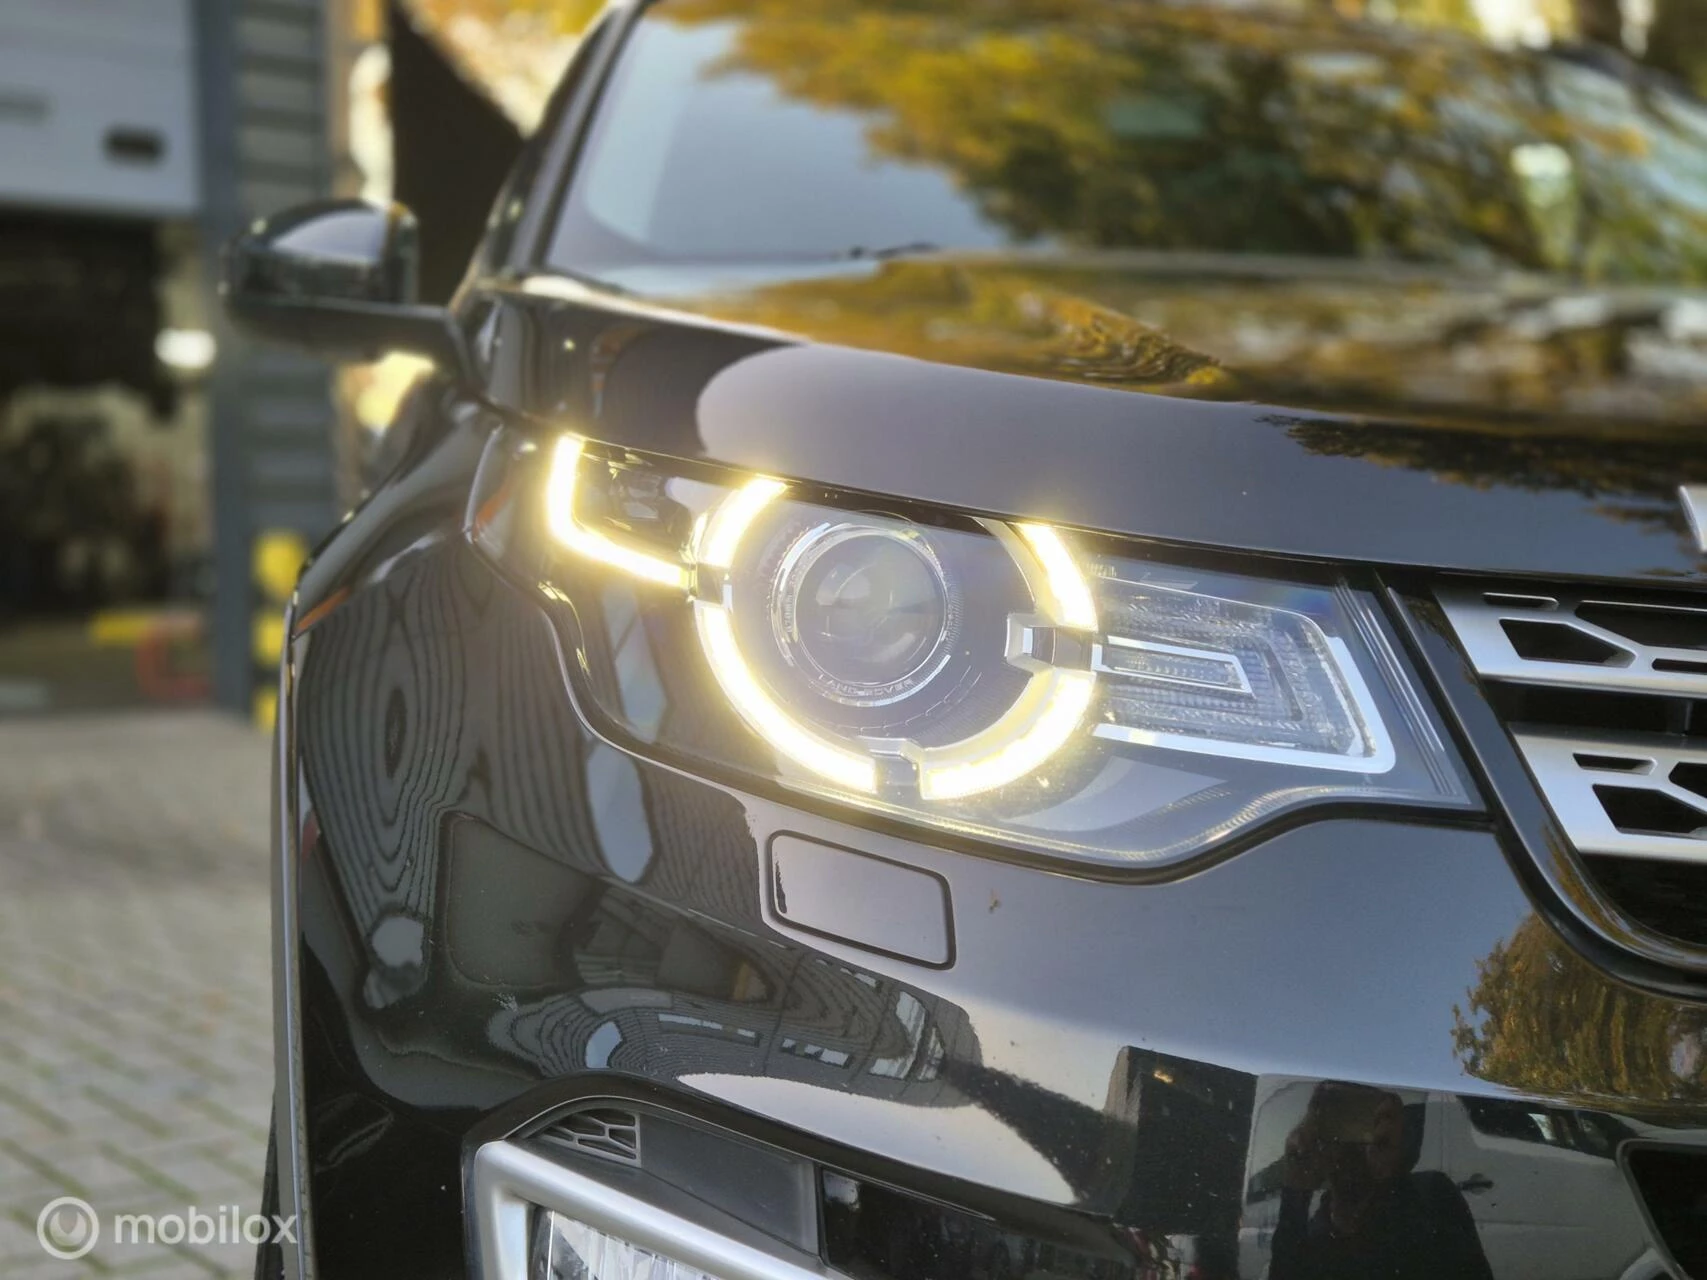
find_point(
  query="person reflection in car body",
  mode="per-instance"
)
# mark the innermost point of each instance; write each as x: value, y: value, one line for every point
x: 1376, y: 1217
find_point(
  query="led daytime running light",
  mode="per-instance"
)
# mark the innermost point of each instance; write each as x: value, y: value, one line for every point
x: 851, y: 769
x: 723, y: 532
x: 1071, y: 603
x: 560, y: 516
x: 1042, y: 719
x: 1035, y: 728
x: 1039, y: 723
x: 718, y: 540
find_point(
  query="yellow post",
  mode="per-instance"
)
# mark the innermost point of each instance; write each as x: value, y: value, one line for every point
x: 274, y: 564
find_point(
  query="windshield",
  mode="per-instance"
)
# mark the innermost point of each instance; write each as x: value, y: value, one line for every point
x: 1466, y: 134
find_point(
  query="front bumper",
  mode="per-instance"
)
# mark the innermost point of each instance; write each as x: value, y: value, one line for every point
x: 488, y: 917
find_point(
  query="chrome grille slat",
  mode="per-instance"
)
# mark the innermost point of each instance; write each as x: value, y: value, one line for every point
x: 1575, y: 790
x: 1481, y: 618
x: 1551, y: 658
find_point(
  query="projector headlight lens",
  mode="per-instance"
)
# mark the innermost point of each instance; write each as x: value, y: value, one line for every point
x: 864, y: 612
x: 996, y: 679
x: 885, y: 656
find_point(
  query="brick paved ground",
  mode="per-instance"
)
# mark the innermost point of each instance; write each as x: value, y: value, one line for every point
x: 135, y: 989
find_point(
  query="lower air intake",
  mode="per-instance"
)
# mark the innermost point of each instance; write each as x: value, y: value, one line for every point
x: 1673, y: 1187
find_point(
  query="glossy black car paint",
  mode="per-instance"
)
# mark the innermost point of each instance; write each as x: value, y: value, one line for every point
x: 429, y: 707
x: 429, y: 702
x: 460, y: 917
x: 1588, y: 499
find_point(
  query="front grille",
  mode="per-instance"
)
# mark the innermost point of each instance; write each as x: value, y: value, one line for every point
x: 611, y: 1133
x: 1581, y: 641
x: 1606, y: 700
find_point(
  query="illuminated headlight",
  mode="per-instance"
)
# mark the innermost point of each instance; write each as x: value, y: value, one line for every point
x: 1002, y: 680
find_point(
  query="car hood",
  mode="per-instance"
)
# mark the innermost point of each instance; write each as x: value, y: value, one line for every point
x: 1375, y: 415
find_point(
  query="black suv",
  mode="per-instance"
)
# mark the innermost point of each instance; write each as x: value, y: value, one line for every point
x: 1028, y: 638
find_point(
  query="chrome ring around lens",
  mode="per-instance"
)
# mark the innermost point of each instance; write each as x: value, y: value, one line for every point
x: 865, y: 612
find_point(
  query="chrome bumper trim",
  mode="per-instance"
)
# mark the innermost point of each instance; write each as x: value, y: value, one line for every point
x: 510, y: 1181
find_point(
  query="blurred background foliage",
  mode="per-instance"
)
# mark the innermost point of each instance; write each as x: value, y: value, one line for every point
x: 514, y: 49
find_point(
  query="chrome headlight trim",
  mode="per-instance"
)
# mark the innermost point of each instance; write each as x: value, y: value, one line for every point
x: 1107, y: 703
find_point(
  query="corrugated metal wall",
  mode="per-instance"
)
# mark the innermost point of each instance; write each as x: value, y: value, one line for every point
x: 263, y: 75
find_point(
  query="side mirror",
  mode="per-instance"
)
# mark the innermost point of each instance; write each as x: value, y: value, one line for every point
x: 337, y: 277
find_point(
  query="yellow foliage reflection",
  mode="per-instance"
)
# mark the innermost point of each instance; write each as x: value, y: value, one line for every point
x: 1541, y: 1020
x: 1275, y: 130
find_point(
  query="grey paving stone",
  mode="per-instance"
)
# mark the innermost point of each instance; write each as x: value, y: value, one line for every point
x: 135, y: 980
x: 17, y: 1239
